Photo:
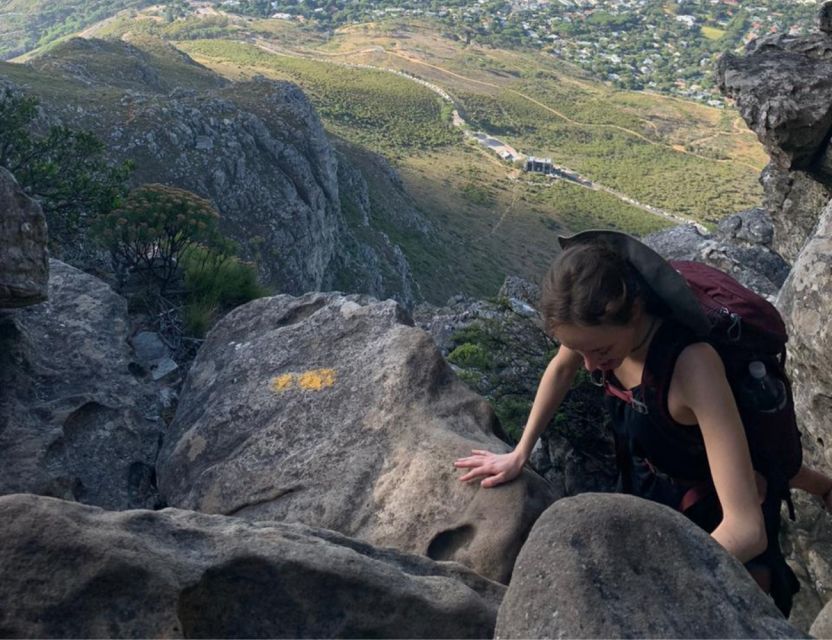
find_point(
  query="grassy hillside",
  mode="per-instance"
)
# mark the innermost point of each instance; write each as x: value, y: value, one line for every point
x: 490, y: 219
x: 28, y: 24
x: 375, y: 109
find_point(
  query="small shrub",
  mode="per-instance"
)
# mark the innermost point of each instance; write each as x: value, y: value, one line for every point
x: 215, y: 283
x: 470, y: 356
x: 155, y: 227
x: 513, y: 413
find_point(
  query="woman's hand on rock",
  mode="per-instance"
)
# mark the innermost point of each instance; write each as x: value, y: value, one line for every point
x: 492, y: 468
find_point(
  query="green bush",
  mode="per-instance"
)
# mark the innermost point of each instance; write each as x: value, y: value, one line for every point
x: 470, y: 356
x: 64, y: 169
x: 513, y: 413
x: 154, y: 229
x: 171, y: 236
x: 215, y: 283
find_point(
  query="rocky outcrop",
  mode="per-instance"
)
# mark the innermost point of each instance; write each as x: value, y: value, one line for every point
x: 24, y: 261
x: 71, y: 571
x: 256, y: 149
x: 822, y: 627
x: 806, y: 304
x: 604, y: 566
x: 334, y: 411
x: 783, y: 90
x: 807, y: 545
x: 795, y: 200
x: 740, y: 246
x: 74, y: 422
x: 367, y: 259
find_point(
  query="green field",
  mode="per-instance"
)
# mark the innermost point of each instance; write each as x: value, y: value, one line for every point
x: 26, y: 24
x: 375, y: 109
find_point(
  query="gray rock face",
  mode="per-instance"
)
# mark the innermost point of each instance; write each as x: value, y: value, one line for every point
x: 785, y: 97
x: 822, y: 626
x: 806, y: 305
x: 523, y: 296
x: 783, y: 89
x: 334, y: 411
x: 291, y: 210
x: 825, y: 18
x: 738, y: 248
x: 72, y: 571
x: 807, y: 545
x: 74, y: 423
x: 24, y: 261
x: 614, y: 566
x: 795, y: 200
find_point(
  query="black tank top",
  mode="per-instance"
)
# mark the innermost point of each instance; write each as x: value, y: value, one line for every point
x: 654, y: 443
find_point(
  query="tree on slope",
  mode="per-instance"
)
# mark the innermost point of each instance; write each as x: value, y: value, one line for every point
x: 64, y: 169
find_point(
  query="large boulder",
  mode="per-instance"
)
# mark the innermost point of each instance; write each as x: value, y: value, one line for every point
x: 336, y: 412
x: 24, y: 262
x: 822, y: 626
x: 795, y: 200
x: 806, y: 304
x: 807, y: 545
x: 74, y: 422
x: 71, y: 571
x: 785, y: 96
x: 615, y: 566
x: 740, y: 246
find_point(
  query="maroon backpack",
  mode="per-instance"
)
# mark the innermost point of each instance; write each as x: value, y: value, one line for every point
x: 746, y: 328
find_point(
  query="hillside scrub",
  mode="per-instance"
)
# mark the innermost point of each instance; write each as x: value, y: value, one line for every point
x: 167, y: 237
x: 63, y: 169
x: 653, y: 174
x: 375, y: 109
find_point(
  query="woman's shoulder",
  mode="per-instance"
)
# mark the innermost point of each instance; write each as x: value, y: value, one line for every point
x: 699, y: 366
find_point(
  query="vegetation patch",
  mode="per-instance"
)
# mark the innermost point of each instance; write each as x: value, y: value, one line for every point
x: 651, y: 173
x: 168, y: 237
x: 712, y: 33
x: 375, y: 109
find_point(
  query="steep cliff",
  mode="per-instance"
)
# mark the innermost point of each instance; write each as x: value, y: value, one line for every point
x: 257, y: 149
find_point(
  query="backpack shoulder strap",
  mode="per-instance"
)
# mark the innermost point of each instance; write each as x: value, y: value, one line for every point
x: 658, y: 368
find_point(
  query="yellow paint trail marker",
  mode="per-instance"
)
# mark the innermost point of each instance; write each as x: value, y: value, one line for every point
x: 314, y: 380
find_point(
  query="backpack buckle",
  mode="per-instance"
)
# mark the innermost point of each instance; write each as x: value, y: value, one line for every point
x: 734, y: 329
x: 625, y: 395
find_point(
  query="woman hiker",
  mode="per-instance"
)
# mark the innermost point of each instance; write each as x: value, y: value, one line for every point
x: 607, y: 319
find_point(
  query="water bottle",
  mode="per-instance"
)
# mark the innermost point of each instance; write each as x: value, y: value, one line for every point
x: 761, y: 391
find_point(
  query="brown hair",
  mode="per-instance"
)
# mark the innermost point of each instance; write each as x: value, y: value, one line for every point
x: 590, y: 285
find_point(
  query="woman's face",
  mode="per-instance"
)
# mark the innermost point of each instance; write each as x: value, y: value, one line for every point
x: 603, y: 347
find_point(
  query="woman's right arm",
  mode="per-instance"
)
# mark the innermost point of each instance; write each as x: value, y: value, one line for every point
x: 494, y: 469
